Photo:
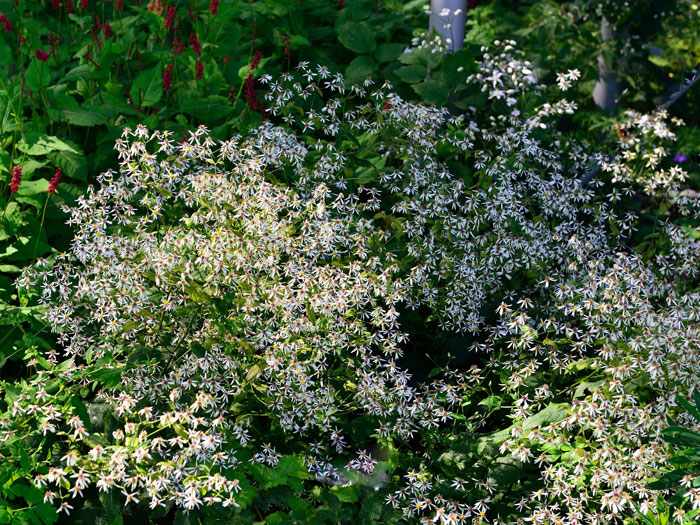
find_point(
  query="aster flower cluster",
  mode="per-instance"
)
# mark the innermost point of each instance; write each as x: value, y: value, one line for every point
x: 166, y: 311
x: 239, y: 305
x: 463, y: 240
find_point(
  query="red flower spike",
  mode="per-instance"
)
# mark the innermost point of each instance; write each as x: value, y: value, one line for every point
x: 6, y: 25
x: 84, y: 4
x: 256, y: 60
x: 179, y: 46
x: 53, y: 183
x: 287, y: 46
x: 16, y: 179
x: 196, y: 46
x: 170, y: 17
x: 107, y: 30
x: 214, y: 7
x: 41, y: 55
x: 199, y: 70
x: 168, y: 78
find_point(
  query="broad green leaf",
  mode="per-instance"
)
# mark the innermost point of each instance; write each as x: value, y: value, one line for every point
x: 36, y: 143
x: 33, y: 192
x: 81, y: 72
x: 659, y: 61
x: 551, y: 414
x: 11, y: 221
x: 109, y: 377
x: 388, y: 52
x: 73, y: 164
x: 83, y: 117
x: 411, y: 74
x: 432, y: 92
x: 357, y: 37
x: 457, y: 66
x: 37, y: 75
x: 30, y: 166
x: 360, y: 68
x: 5, y: 53
x: 211, y: 108
x: 346, y: 494
x: 147, y: 89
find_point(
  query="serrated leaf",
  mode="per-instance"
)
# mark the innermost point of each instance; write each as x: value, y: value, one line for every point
x: 360, y: 68
x: 357, y: 37
x: 411, y: 74
x: 388, y: 52
x: 432, y: 92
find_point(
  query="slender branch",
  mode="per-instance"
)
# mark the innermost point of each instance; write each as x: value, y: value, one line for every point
x: 678, y: 94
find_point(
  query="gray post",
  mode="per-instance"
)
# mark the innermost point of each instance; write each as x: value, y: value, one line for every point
x: 607, y: 88
x: 450, y: 27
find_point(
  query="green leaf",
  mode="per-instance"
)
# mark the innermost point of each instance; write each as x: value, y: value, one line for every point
x: 360, y: 68
x: 5, y: 53
x: 32, y: 192
x: 457, y: 66
x: 551, y: 414
x: 293, y: 466
x: 388, y: 52
x: 659, y: 61
x: 432, y: 92
x: 357, y: 37
x: 73, y: 164
x: 245, y: 70
x: 695, y: 411
x: 148, y: 87
x: 37, y: 75
x: 211, y: 108
x: 46, y: 512
x: 492, y: 402
x: 81, y: 72
x: 30, y: 166
x: 12, y: 220
x: 36, y: 143
x: 411, y: 74
x: 346, y: 494
x: 109, y: 377
x: 83, y: 117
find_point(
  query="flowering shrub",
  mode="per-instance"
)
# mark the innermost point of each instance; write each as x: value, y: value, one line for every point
x: 217, y: 278
x: 232, y: 317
